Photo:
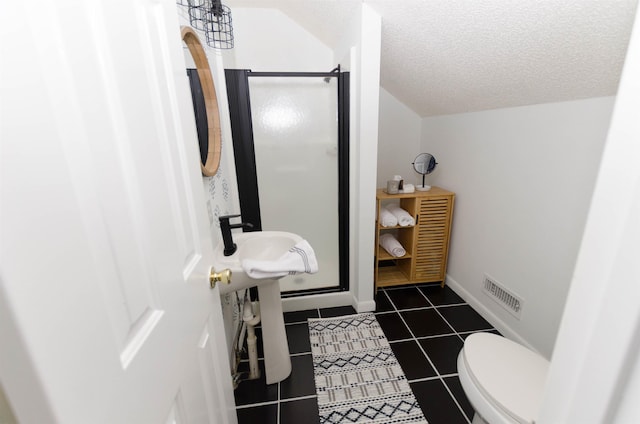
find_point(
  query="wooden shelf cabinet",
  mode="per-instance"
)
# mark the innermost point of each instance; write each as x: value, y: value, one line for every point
x: 426, y: 243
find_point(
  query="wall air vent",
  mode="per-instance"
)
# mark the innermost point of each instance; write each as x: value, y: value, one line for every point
x: 504, y: 298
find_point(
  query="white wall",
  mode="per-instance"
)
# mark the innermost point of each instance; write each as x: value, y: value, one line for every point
x: 595, y: 370
x: 398, y: 140
x: 523, y: 179
x: 266, y: 40
x: 365, y: 146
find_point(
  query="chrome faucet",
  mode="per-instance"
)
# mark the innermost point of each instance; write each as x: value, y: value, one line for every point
x: 225, y: 227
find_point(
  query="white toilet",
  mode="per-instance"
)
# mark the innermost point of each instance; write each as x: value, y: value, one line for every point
x: 503, y: 380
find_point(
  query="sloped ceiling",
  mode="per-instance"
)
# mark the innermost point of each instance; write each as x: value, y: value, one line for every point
x: 452, y: 56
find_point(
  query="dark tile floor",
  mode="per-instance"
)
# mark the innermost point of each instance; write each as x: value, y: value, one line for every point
x: 426, y: 326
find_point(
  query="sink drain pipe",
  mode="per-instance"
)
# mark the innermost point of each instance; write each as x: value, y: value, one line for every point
x: 251, y: 317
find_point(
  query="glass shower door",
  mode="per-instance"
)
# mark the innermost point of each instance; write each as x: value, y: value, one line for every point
x: 295, y: 131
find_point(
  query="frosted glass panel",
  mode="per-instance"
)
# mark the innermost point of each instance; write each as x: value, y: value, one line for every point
x: 295, y: 130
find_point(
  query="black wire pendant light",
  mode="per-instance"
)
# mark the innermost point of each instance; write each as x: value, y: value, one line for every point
x: 212, y: 17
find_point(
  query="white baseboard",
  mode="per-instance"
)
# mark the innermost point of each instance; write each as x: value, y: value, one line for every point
x: 365, y: 306
x: 325, y: 300
x: 487, y: 314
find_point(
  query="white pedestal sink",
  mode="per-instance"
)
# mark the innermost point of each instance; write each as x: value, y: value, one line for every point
x: 262, y: 245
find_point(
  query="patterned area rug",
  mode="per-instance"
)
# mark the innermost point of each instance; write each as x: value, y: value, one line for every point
x: 358, y: 379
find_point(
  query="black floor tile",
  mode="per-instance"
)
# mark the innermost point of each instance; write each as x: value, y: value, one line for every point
x: 407, y: 298
x: 337, y: 311
x: 299, y: 411
x: 281, y: 403
x: 301, y: 381
x: 255, y: 391
x: 392, y: 326
x: 464, y: 318
x: 263, y: 414
x: 443, y: 352
x: 382, y: 302
x: 458, y: 392
x: 298, y: 338
x: 437, y: 404
x: 300, y: 316
x: 426, y: 322
x: 441, y: 295
x: 413, y: 362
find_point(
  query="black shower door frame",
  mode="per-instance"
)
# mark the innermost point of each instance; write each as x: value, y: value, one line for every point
x: 244, y: 154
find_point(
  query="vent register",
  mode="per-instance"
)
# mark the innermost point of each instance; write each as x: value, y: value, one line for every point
x: 503, y: 297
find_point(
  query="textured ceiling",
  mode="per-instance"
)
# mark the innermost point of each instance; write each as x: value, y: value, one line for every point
x: 451, y: 56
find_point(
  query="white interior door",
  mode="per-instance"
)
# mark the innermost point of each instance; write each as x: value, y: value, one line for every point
x: 105, y: 311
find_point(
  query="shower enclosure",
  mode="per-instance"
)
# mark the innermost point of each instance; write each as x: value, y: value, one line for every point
x: 290, y: 137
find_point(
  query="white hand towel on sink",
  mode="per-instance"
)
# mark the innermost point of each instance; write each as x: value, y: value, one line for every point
x: 300, y: 258
x: 387, y: 219
x: 392, y: 245
x: 404, y: 218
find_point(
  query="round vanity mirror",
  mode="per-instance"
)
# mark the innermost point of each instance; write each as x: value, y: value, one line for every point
x: 424, y: 164
x: 207, y: 116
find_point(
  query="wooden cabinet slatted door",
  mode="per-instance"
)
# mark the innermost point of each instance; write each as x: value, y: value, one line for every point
x: 432, y: 239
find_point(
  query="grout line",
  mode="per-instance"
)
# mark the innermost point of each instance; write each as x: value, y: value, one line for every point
x: 444, y: 319
x: 438, y: 312
x: 300, y: 353
x: 299, y: 398
x: 437, y: 336
x: 387, y: 312
x: 423, y: 337
x: 393, y: 305
x: 252, y: 405
x: 482, y: 330
x: 453, y: 304
x: 439, y: 376
x: 455, y: 374
x: 422, y: 379
x: 414, y: 337
x: 384, y: 292
x: 279, y: 400
x: 454, y: 398
x: 297, y: 322
x: 420, y: 308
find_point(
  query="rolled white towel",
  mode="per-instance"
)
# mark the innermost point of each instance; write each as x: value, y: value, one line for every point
x: 404, y: 218
x: 387, y: 219
x: 391, y: 245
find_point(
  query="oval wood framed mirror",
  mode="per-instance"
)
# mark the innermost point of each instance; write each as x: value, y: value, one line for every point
x: 210, y: 139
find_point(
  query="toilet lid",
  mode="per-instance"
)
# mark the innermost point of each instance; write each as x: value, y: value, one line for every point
x: 511, y: 376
